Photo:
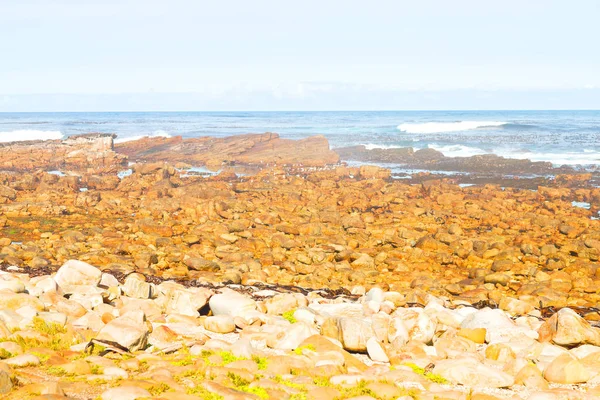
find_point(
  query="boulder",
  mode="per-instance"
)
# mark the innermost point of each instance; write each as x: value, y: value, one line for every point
x: 77, y: 273
x: 566, y: 328
x: 219, y: 324
x: 566, y: 369
x: 129, y: 331
x: 232, y: 304
x: 469, y: 372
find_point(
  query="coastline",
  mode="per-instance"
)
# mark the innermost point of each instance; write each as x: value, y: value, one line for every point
x: 418, y: 272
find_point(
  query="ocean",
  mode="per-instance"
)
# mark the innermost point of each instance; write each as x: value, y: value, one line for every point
x: 561, y: 137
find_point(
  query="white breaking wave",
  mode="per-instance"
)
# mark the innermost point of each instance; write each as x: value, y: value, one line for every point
x: 588, y: 157
x: 566, y: 158
x: 159, y: 133
x: 458, y: 150
x: 29, y: 134
x: 372, y: 146
x: 439, y: 127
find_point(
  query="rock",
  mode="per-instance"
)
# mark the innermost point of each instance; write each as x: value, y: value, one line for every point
x: 354, y: 333
x: 476, y: 335
x: 281, y: 303
x: 200, y: 264
x: 136, y: 286
x: 11, y: 283
x: 5, y: 382
x: 292, y: 337
x: 175, y: 298
x: 497, y: 278
x: 566, y: 369
x: 232, y: 304
x: 125, y: 393
x: 129, y: 331
x: 420, y: 326
x: 10, y: 300
x: 23, y: 360
x: 375, y: 351
x: 220, y: 324
x: 567, y: 328
x: 80, y: 152
x: 470, y: 373
x: 322, y: 344
x: 499, y: 327
x: 77, y: 273
x: 373, y: 172
x: 531, y: 377
x: 255, y: 149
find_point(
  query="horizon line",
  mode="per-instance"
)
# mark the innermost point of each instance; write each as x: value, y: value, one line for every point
x: 311, y: 111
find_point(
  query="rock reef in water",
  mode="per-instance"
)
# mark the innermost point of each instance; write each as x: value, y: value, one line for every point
x: 431, y: 159
x: 251, y: 149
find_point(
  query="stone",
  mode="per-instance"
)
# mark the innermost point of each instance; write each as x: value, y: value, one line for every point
x: 419, y: 325
x: 376, y: 351
x: 175, y: 298
x: 476, y: 335
x: 231, y: 303
x: 220, y: 324
x: 76, y: 273
x: 125, y: 393
x: 354, y: 333
x: 129, y: 331
x: 566, y: 369
x: 499, y: 327
x: 135, y: 286
x: 567, y: 328
x: 5, y: 382
x: 530, y: 376
x: 23, y: 360
x: 470, y: 373
x: 11, y: 283
x: 292, y: 337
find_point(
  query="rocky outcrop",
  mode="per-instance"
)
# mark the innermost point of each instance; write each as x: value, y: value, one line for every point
x: 430, y: 159
x: 251, y: 149
x: 90, y: 152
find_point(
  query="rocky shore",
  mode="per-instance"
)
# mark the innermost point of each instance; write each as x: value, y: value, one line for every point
x: 290, y: 283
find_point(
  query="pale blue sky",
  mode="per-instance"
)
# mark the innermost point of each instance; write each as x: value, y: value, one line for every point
x: 203, y: 55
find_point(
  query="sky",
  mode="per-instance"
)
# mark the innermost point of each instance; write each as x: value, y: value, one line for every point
x: 121, y: 55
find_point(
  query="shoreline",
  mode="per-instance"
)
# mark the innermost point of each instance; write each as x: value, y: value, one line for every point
x: 174, y: 285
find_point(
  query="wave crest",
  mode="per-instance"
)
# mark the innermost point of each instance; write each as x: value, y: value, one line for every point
x: 29, y: 134
x: 439, y: 127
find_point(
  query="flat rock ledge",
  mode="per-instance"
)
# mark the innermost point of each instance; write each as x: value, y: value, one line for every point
x: 80, y: 333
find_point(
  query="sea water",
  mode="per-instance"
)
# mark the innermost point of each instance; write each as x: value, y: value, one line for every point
x: 560, y: 137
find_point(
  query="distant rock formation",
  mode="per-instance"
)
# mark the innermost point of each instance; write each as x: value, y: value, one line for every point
x: 250, y: 149
x: 89, y: 152
x: 430, y: 159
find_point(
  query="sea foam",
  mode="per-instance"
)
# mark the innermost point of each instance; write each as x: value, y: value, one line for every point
x: 439, y: 127
x: 29, y: 134
x: 159, y: 133
x: 458, y: 150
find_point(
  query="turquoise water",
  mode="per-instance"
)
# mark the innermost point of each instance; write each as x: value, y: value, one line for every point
x: 561, y: 137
